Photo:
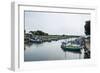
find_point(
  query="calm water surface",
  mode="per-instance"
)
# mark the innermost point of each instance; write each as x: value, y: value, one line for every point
x: 48, y: 51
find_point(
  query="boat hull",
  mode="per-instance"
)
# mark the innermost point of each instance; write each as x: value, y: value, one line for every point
x: 76, y: 50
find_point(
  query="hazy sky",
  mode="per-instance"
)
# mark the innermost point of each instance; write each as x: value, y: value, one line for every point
x: 56, y: 23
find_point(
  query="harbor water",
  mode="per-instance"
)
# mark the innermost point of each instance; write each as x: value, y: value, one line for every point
x: 49, y: 51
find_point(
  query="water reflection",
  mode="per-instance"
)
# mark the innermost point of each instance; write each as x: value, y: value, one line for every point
x: 48, y: 51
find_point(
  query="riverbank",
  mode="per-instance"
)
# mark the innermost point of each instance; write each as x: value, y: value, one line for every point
x: 40, y: 39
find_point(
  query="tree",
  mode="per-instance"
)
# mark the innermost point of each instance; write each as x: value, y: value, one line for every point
x: 87, y: 28
x: 32, y: 32
x: 38, y: 32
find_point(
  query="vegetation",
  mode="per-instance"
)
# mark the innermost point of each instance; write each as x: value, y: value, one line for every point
x: 87, y: 28
x: 39, y: 32
x: 87, y: 32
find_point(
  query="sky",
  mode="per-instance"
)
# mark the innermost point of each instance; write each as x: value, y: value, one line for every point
x: 55, y: 23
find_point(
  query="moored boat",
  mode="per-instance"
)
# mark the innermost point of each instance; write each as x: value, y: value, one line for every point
x: 35, y: 40
x: 71, y: 47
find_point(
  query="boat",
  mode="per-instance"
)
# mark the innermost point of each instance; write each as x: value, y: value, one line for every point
x: 71, y: 47
x: 35, y: 40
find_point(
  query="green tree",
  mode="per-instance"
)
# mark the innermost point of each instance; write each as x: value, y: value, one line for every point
x: 87, y: 28
x: 38, y: 32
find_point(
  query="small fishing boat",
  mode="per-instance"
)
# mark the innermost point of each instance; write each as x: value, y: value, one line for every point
x: 71, y: 47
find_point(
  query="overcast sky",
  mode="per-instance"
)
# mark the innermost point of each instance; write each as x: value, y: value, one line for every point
x: 56, y: 23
